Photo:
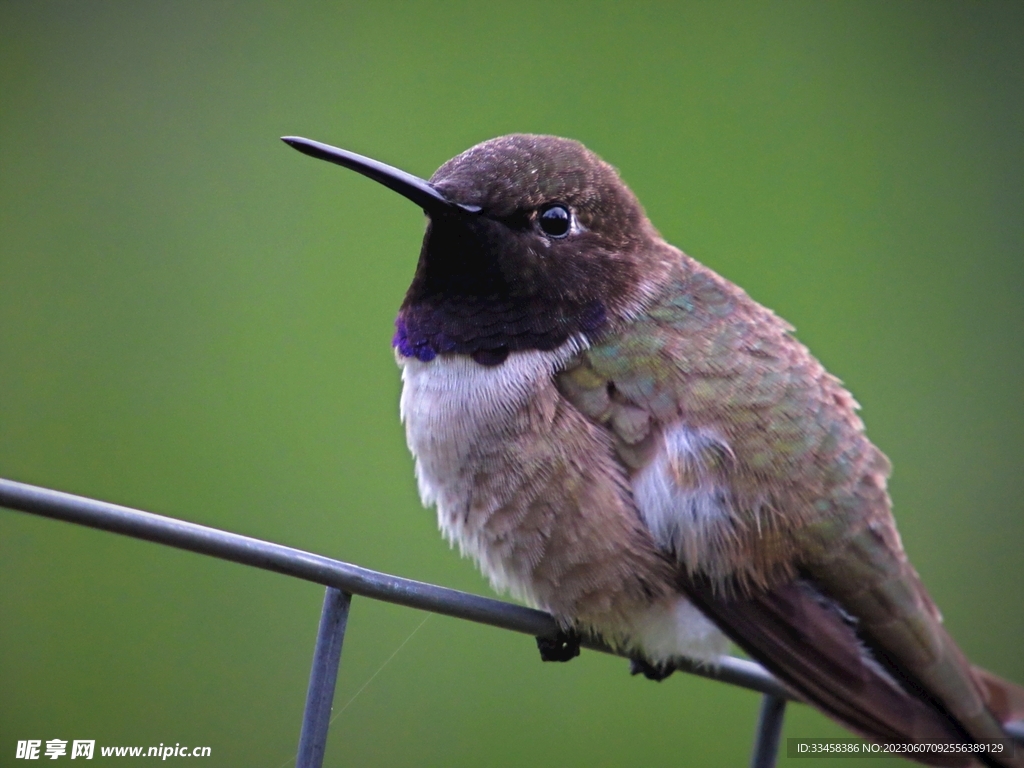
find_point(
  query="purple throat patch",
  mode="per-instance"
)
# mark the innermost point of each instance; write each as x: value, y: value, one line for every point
x: 489, y: 333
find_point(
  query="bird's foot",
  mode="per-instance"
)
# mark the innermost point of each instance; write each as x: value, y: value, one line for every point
x: 655, y: 672
x: 565, y: 646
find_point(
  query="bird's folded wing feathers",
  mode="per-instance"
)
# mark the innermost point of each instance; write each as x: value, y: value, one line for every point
x: 808, y: 642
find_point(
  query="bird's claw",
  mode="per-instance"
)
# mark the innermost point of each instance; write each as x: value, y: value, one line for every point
x: 565, y: 646
x: 655, y: 672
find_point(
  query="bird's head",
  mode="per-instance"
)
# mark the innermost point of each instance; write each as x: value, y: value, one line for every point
x: 531, y: 240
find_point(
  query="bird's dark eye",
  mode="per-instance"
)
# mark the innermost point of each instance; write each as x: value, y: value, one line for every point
x: 555, y: 220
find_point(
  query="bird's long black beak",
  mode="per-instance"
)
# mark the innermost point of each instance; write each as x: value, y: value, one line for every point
x: 405, y: 184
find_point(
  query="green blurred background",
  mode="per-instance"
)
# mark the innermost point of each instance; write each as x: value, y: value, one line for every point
x: 196, y: 320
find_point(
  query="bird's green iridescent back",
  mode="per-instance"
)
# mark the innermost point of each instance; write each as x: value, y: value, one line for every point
x: 782, y: 435
x: 804, y: 488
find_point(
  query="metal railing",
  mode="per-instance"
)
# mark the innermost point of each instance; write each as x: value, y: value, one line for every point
x: 344, y: 580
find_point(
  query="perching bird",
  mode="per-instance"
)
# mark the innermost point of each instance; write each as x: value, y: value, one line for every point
x: 620, y: 436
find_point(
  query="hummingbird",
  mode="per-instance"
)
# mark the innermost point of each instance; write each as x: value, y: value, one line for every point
x: 621, y: 437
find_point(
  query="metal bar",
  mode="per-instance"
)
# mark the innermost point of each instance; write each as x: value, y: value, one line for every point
x: 273, y: 557
x: 322, y: 677
x: 726, y: 669
x: 769, y: 730
x: 334, y: 573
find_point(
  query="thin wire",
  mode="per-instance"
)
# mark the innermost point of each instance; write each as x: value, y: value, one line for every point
x: 335, y: 716
x: 386, y: 662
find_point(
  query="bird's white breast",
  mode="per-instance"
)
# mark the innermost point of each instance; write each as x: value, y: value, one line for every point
x: 457, y: 415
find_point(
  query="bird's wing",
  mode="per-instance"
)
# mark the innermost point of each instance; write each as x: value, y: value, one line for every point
x: 748, y: 462
x: 809, y: 642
